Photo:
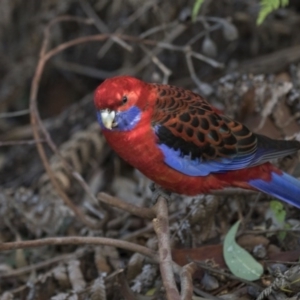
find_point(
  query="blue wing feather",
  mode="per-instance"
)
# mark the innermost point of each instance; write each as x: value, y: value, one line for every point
x: 282, y: 186
x: 197, y: 167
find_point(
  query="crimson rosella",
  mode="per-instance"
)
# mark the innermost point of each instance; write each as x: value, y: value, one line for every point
x: 182, y: 143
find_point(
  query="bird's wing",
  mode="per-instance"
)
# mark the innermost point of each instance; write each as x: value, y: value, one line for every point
x: 197, y: 141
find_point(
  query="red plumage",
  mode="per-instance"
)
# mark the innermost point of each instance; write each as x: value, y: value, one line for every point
x: 183, y: 121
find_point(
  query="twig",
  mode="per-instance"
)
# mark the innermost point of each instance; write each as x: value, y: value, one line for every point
x: 201, y: 85
x: 81, y: 216
x: 80, y: 240
x: 133, y: 17
x: 83, y: 70
x: 161, y: 227
x: 206, y: 295
x: 146, y: 229
x: 291, y: 119
x: 206, y: 59
x: 187, y: 288
x: 141, y: 212
x: 126, y: 292
x: 37, y: 266
x: 177, y: 30
x: 213, y: 270
x: 201, y: 34
x: 158, y: 29
x: 85, y: 186
x: 137, y: 233
x: 166, y: 71
x: 271, y: 231
x: 14, y: 114
x: 100, y: 25
x: 186, y: 281
x: 69, y: 168
x: 232, y: 191
x: 28, y: 142
x: 160, y: 46
x: 281, y: 262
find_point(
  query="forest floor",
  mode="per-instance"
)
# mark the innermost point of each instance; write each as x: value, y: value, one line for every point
x: 77, y: 222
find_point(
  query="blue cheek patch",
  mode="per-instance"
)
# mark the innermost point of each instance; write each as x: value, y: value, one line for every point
x: 128, y: 119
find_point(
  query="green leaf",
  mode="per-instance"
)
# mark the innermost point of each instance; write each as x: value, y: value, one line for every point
x: 278, y: 214
x: 278, y: 210
x: 151, y: 292
x: 282, y: 234
x: 238, y: 260
x: 196, y: 8
x: 267, y: 6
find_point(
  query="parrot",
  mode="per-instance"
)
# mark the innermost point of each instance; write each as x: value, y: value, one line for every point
x: 186, y: 146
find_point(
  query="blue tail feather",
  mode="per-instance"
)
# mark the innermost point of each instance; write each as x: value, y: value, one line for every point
x: 282, y: 186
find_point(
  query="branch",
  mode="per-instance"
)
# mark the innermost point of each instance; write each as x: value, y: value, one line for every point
x: 186, y: 276
x: 37, y: 266
x: 80, y: 240
x: 161, y: 227
x: 24, y: 142
x: 142, y: 212
x: 100, y: 25
x: 36, y: 121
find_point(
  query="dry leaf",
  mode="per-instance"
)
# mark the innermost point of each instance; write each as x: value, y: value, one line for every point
x: 97, y: 290
x: 76, y: 277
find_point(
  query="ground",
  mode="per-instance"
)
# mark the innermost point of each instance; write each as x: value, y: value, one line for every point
x: 73, y: 240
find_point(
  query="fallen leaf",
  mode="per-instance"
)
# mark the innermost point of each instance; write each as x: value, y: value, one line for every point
x: 238, y: 260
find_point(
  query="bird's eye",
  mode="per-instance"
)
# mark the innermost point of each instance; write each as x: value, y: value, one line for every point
x: 124, y: 99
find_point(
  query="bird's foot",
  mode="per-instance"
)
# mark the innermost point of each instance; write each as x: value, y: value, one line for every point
x: 158, y: 191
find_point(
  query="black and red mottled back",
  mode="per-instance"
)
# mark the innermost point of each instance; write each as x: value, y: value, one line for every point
x: 187, y: 122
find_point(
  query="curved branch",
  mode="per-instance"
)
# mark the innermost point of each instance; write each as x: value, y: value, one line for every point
x: 80, y: 240
x: 141, y: 212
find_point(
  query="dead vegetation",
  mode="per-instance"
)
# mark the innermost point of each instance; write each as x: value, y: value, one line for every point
x: 81, y: 221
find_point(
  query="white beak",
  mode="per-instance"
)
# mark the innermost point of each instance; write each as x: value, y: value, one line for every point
x: 108, y: 118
